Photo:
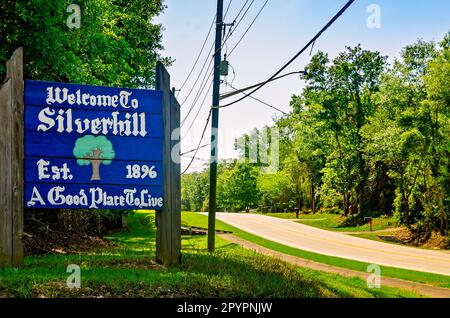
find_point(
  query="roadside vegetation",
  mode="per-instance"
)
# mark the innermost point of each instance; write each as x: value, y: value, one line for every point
x: 336, y: 222
x: 125, y: 268
x: 365, y: 138
x: 196, y: 219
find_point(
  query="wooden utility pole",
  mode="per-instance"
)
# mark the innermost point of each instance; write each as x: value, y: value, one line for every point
x: 215, y: 130
x: 168, y: 221
x: 11, y: 163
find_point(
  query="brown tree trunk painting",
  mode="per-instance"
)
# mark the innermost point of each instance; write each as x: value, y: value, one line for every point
x: 96, y: 162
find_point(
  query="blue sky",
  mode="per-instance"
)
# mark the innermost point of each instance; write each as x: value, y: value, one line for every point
x: 282, y: 29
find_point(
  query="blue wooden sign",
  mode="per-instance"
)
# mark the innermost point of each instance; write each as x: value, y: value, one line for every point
x: 93, y: 147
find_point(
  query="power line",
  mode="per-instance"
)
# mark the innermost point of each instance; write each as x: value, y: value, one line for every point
x: 199, y: 54
x: 228, y: 8
x: 242, y: 9
x: 198, y: 112
x: 257, y: 99
x: 199, y: 75
x: 199, y: 92
x: 203, y: 84
x: 234, y: 73
x: 198, y: 168
x: 346, y: 6
x: 195, y: 158
x: 243, y: 16
x: 228, y: 95
x: 206, y: 61
x: 236, y: 25
x: 193, y: 150
x: 200, y: 142
x: 248, y: 29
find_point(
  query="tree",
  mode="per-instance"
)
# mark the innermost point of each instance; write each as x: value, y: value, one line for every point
x: 341, y: 91
x: 277, y: 191
x: 408, y: 136
x: 117, y: 44
x: 91, y: 150
x: 255, y: 147
x: 237, y: 187
x: 194, y: 190
x: 436, y: 79
x: 306, y: 152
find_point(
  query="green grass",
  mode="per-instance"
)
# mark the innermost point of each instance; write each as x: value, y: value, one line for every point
x: 127, y: 269
x: 331, y: 222
x: 377, y: 237
x: 421, y: 277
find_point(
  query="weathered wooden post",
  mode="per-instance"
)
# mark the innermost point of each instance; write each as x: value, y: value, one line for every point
x: 11, y: 163
x: 168, y: 237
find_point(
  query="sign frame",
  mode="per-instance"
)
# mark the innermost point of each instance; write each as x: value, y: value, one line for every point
x: 92, y: 147
x: 12, y: 163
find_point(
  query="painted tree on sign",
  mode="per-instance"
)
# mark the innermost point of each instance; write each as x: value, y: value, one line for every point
x: 91, y: 150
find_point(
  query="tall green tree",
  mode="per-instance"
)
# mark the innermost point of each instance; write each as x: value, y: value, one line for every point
x: 194, y: 191
x: 341, y: 90
x: 237, y: 188
x: 409, y: 136
x: 116, y: 44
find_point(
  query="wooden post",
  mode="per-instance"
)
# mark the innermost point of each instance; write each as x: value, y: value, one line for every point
x: 168, y: 236
x: 11, y: 163
x: 6, y: 246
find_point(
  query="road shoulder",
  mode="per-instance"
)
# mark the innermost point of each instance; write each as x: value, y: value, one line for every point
x: 423, y: 289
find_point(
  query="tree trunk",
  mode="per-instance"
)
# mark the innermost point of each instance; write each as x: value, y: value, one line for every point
x: 313, y: 201
x: 96, y: 170
x: 346, y: 210
x: 406, y: 211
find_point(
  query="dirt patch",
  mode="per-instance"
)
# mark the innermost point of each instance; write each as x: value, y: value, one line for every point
x: 390, y: 239
x: 3, y: 294
x: 436, y: 241
x: 382, y: 232
x: 61, y: 243
x: 99, y: 290
x: 406, y: 237
x: 60, y: 290
x: 65, y: 231
x: 400, y: 236
x: 130, y: 264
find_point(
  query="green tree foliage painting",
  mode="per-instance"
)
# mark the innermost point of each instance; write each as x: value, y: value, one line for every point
x: 94, y: 151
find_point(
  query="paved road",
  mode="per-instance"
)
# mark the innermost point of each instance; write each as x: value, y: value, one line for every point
x: 330, y: 243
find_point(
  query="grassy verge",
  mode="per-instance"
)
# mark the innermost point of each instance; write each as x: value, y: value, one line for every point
x: 377, y: 237
x: 195, y: 219
x: 127, y: 269
x: 331, y: 222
